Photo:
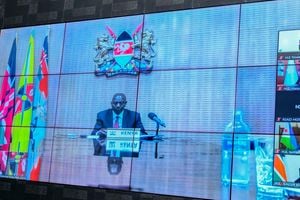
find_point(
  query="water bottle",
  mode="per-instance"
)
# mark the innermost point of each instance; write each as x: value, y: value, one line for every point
x: 240, y: 155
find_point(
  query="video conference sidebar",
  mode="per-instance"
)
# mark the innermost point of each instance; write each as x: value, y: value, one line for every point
x: 286, y: 164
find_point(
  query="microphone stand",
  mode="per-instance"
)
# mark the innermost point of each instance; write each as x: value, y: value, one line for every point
x: 156, y: 138
x: 156, y: 143
x: 157, y: 129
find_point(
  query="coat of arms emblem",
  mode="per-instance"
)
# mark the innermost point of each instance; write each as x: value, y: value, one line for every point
x: 124, y: 54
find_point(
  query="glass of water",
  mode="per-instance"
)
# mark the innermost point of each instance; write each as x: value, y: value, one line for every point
x: 264, y: 150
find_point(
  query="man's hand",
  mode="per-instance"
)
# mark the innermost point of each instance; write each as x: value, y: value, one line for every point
x: 101, y: 133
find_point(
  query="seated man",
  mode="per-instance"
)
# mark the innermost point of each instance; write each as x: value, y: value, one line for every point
x: 116, y: 117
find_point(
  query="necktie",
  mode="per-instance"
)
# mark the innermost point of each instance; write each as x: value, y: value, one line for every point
x: 116, y: 123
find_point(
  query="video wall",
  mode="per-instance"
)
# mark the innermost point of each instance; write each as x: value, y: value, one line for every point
x: 208, y: 86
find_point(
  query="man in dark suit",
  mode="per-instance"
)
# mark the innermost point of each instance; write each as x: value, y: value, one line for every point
x: 116, y: 117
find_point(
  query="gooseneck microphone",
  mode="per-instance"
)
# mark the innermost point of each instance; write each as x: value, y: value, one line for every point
x: 154, y: 117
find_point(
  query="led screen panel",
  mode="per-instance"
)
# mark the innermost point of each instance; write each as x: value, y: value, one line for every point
x: 73, y: 162
x: 86, y: 95
x: 55, y: 35
x: 102, y: 45
x: 202, y: 38
x: 257, y: 100
x: 258, y: 35
x: 180, y: 167
x: 188, y: 100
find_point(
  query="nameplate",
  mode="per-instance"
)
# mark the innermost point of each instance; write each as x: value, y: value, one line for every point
x: 123, y: 145
x: 123, y: 134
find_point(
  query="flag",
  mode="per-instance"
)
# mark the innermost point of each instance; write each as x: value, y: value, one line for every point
x: 279, y: 169
x: 39, y: 113
x: 288, y: 138
x: 23, y: 104
x: 7, y: 97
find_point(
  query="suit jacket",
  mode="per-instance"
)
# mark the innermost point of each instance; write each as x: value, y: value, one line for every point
x: 131, y: 119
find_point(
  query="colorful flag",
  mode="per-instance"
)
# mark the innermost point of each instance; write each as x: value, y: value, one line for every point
x: 288, y: 138
x: 279, y: 169
x: 7, y: 97
x: 22, y: 115
x: 39, y: 115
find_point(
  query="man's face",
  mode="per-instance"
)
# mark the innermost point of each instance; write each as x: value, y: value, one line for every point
x: 118, y: 103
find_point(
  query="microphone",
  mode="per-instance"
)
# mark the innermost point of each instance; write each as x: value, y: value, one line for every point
x: 154, y: 117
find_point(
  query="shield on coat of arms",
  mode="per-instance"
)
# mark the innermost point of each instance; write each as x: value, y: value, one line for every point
x: 123, y: 49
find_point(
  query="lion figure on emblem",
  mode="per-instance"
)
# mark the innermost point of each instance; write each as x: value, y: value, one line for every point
x: 103, y: 47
